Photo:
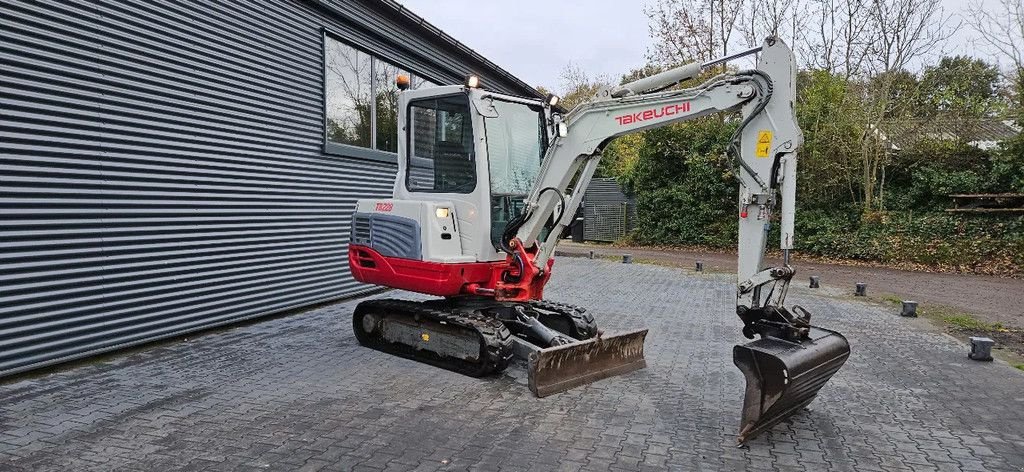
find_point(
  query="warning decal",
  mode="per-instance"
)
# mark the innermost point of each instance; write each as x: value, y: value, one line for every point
x: 764, y: 143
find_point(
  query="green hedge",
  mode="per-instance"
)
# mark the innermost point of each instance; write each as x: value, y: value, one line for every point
x: 684, y: 185
x: 964, y: 243
x: 685, y: 189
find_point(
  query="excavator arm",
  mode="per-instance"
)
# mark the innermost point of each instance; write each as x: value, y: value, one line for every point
x: 792, y: 360
x: 764, y: 148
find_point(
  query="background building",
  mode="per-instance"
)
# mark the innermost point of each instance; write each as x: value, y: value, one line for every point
x: 608, y: 212
x: 172, y: 166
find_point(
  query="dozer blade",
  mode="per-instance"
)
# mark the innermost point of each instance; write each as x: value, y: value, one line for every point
x: 784, y: 376
x: 560, y: 368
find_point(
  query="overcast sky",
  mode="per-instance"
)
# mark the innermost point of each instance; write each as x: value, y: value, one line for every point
x: 535, y: 39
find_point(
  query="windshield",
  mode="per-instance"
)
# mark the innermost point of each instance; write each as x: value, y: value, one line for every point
x: 515, y: 147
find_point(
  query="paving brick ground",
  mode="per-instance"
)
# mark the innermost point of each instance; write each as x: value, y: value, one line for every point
x: 299, y: 393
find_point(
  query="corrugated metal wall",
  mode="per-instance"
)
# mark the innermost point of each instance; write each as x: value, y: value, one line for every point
x: 608, y: 213
x: 163, y: 168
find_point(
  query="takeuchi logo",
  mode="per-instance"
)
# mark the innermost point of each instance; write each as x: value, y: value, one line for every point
x: 653, y: 113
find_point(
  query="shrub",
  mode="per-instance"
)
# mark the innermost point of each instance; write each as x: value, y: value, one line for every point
x: 684, y: 185
x: 685, y: 189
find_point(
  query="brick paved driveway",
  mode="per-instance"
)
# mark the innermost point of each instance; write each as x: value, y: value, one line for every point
x: 298, y: 392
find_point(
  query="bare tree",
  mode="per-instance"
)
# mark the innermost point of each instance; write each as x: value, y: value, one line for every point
x: 907, y: 30
x: 691, y: 30
x: 1001, y: 28
x: 348, y: 89
x: 759, y: 19
x: 840, y: 37
x: 573, y: 77
x: 867, y: 44
x: 578, y: 86
x: 904, y: 31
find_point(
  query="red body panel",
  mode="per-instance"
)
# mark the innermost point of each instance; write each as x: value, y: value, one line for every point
x: 527, y: 281
x: 434, y: 278
x: 447, y: 280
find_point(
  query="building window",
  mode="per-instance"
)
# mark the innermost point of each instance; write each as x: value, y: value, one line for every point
x: 386, y: 92
x: 348, y: 90
x: 441, y: 151
x: 361, y: 97
x: 420, y: 82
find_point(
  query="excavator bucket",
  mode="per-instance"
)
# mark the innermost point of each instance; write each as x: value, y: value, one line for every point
x: 560, y: 368
x: 784, y: 376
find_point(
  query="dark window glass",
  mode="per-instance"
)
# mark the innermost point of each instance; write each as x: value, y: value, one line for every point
x: 347, y: 87
x: 441, y: 151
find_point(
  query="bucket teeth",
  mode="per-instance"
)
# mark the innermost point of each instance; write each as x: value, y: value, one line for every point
x: 784, y: 376
x: 560, y: 368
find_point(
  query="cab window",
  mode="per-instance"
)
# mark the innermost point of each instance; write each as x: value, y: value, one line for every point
x: 440, y: 151
x: 516, y: 143
x: 515, y: 146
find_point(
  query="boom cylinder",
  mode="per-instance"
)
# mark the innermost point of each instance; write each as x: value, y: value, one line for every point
x: 675, y: 75
x: 788, y: 201
x: 659, y: 80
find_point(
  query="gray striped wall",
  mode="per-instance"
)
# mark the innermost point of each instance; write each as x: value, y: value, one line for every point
x: 163, y: 166
x: 608, y: 213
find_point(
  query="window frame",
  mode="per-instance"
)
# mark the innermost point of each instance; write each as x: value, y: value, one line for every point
x: 409, y: 146
x: 332, y: 148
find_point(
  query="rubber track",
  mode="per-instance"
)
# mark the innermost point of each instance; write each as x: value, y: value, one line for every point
x: 586, y: 326
x: 496, y: 340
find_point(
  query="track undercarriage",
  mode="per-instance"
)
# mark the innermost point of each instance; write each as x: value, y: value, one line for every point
x: 474, y: 336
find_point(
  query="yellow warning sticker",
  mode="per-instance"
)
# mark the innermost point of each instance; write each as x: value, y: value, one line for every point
x: 425, y: 337
x: 764, y: 143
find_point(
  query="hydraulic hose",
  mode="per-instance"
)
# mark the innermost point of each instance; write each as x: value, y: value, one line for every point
x: 561, y: 199
x: 764, y: 95
x: 512, y: 227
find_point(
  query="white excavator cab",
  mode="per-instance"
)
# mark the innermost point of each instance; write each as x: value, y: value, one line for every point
x: 477, y: 150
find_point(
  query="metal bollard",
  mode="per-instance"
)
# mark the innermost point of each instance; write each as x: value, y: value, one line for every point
x: 862, y: 290
x: 981, y: 349
x: 909, y: 309
x: 814, y: 281
x: 590, y: 255
x: 627, y: 258
x: 700, y: 266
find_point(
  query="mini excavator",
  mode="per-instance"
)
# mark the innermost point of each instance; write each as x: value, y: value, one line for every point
x: 487, y: 184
